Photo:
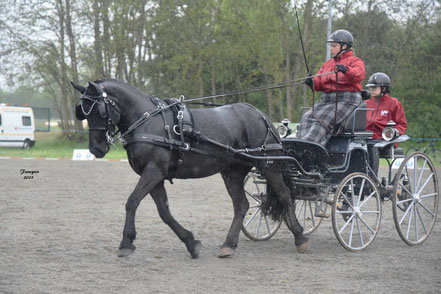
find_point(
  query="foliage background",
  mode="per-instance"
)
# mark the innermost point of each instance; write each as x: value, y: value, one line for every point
x: 202, y: 47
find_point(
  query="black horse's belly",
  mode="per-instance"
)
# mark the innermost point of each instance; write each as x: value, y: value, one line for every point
x: 199, y: 166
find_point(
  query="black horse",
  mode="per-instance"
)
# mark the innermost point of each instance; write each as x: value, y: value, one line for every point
x: 157, y: 153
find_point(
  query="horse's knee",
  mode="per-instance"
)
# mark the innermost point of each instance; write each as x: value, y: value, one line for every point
x: 130, y: 205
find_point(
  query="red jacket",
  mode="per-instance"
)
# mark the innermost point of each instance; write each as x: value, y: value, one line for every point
x: 349, y: 81
x: 385, y: 109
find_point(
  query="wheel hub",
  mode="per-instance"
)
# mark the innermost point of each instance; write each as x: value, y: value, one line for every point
x: 417, y: 197
x: 358, y: 212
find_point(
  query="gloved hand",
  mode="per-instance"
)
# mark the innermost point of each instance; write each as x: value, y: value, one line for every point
x: 309, y: 81
x: 341, y: 68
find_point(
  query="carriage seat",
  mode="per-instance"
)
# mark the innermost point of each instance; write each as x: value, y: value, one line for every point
x: 355, y: 124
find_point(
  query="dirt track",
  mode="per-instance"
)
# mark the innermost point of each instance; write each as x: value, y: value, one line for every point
x: 59, y: 233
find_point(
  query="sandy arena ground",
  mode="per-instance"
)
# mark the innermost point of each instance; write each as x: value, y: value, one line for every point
x: 60, y: 231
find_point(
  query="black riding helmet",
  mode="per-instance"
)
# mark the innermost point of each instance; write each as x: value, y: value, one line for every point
x: 342, y: 37
x: 379, y: 79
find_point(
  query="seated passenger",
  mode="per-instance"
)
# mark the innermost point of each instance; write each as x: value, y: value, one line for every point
x: 384, y: 109
x: 317, y: 125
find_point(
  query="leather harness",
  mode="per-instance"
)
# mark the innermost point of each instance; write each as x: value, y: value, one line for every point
x: 184, y: 129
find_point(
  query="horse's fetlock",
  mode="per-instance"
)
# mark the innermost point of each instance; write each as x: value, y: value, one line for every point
x: 300, y: 240
x: 129, y: 235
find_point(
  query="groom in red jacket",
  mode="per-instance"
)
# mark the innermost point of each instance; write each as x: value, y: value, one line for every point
x: 383, y: 109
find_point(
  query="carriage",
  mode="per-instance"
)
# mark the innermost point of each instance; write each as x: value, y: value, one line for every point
x: 287, y: 179
x: 340, y: 175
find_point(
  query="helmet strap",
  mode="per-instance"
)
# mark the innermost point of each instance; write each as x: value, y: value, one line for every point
x: 348, y: 48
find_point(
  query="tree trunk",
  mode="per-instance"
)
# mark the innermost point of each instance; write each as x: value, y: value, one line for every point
x: 99, y: 69
x: 289, y: 100
x: 74, y: 65
x: 106, y: 38
x: 65, y: 114
x: 269, y: 94
x: 141, y: 56
x: 213, y: 79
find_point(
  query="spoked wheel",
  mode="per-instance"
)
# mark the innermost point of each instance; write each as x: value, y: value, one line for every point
x: 305, y: 213
x: 356, y: 211
x: 416, y: 198
x: 256, y: 225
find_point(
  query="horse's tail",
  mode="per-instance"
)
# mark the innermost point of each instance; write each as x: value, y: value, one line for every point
x: 271, y: 206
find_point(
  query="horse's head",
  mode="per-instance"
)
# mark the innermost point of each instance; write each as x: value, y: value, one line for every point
x: 102, y: 113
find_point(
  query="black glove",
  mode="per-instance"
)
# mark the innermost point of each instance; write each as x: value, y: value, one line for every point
x: 341, y: 68
x: 309, y: 81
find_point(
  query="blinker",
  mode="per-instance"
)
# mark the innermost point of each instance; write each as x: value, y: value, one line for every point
x: 79, y: 114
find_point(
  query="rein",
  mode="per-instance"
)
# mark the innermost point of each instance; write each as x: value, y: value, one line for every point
x: 284, y: 84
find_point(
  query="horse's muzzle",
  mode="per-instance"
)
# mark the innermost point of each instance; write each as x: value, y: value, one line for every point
x: 98, y: 152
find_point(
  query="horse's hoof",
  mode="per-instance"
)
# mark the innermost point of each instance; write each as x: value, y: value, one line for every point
x: 196, y: 248
x: 225, y: 252
x: 124, y: 252
x: 302, y: 248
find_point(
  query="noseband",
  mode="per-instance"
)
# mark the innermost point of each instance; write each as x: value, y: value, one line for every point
x: 107, y: 108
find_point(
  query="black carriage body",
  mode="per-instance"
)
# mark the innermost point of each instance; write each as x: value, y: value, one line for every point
x: 343, y: 154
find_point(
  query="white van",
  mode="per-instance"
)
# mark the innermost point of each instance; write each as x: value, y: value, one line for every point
x: 17, y: 126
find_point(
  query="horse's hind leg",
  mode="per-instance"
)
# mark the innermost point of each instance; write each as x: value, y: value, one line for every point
x: 233, y: 179
x: 275, y: 180
x: 159, y: 195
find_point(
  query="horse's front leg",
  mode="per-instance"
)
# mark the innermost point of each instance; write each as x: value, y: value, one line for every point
x: 149, y: 179
x: 159, y: 195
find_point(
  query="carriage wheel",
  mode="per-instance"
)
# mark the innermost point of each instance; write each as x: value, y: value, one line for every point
x: 256, y: 225
x: 305, y: 213
x: 356, y: 211
x: 415, y: 198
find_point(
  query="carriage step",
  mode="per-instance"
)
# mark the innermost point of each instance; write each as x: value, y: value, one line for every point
x: 322, y: 215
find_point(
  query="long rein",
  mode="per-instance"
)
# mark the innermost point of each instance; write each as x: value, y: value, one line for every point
x: 284, y: 84
x: 146, y: 116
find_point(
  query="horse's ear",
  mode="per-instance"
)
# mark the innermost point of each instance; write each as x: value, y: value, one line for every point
x: 95, y: 89
x: 79, y: 88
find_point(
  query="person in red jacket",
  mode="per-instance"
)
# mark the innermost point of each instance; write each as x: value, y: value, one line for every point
x: 339, y: 78
x: 383, y: 109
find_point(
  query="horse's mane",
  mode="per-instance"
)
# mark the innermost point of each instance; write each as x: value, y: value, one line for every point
x: 115, y: 87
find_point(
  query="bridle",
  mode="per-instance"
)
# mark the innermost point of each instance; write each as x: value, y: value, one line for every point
x: 108, y: 109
